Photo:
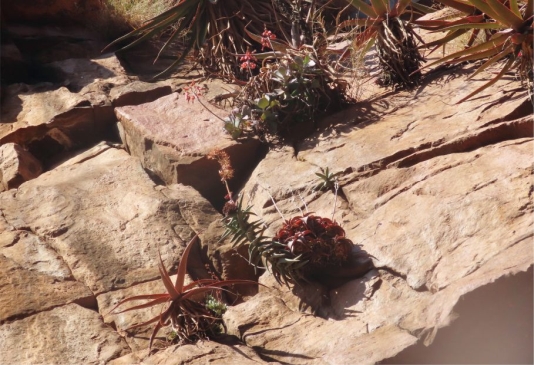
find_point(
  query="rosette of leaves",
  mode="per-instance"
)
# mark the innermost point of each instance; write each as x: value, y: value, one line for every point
x: 512, y: 40
x: 304, y: 245
x: 394, y: 38
x: 189, y: 318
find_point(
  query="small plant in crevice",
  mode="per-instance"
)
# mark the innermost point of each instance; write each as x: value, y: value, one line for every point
x: 327, y: 181
x: 302, y: 246
x: 188, y: 317
x: 291, y: 87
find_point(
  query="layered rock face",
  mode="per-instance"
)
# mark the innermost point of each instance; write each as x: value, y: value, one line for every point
x: 102, y: 172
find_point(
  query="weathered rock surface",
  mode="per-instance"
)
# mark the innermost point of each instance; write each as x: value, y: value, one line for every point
x: 17, y: 166
x: 438, y: 195
x: 75, y: 108
x: 422, y: 191
x: 66, y: 335
x: 172, y: 138
x: 205, y: 352
x: 104, y: 217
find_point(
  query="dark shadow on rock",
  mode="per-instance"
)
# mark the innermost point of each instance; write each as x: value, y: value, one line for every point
x: 314, y: 295
x: 494, y: 325
x: 265, y: 355
x: 357, y: 116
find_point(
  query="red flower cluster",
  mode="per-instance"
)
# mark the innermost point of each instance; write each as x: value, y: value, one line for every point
x: 193, y: 91
x: 266, y: 37
x: 249, y: 61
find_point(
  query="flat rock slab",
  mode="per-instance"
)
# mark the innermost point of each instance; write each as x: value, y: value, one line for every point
x: 172, y: 138
x: 104, y: 217
x: 65, y: 335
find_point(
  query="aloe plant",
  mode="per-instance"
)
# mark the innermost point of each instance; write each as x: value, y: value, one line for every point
x: 512, y: 40
x: 395, y: 40
x: 188, y: 318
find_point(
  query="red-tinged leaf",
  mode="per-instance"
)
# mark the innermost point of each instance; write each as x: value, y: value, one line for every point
x: 198, y: 283
x: 512, y: 20
x: 364, y: 8
x: 470, y: 26
x: 157, y: 327
x: 400, y: 6
x: 444, y: 40
x: 379, y: 7
x: 363, y: 22
x: 459, y: 5
x: 476, y: 56
x: 505, y: 69
x: 200, y: 290
x: 146, y: 305
x: 167, y: 279
x: 493, y: 60
x: 443, y: 24
x: 479, y: 48
x: 139, y: 297
x: 182, y: 267
x: 365, y: 36
x: 150, y: 321
x: 421, y: 8
x: 501, y: 17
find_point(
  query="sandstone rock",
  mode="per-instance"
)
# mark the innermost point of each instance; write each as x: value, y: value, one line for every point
x: 267, y: 324
x: 27, y: 287
x: 174, y: 146
x: 138, y: 92
x: 65, y: 335
x: 60, y: 11
x: 205, y: 352
x: 17, y: 166
x: 104, y: 217
x: 421, y: 190
x: 46, y: 122
x: 48, y: 43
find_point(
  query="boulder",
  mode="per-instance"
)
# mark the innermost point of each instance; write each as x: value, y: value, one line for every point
x: 172, y: 137
x: 17, y: 166
x: 420, y: 189
x: 74, y: 108
x: 67, y: 334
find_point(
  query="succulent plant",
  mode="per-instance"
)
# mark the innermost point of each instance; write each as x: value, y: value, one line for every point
x: 512, y: 40
x: 317, y: 240
x: 394, y: 38
x: 189, y: 319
